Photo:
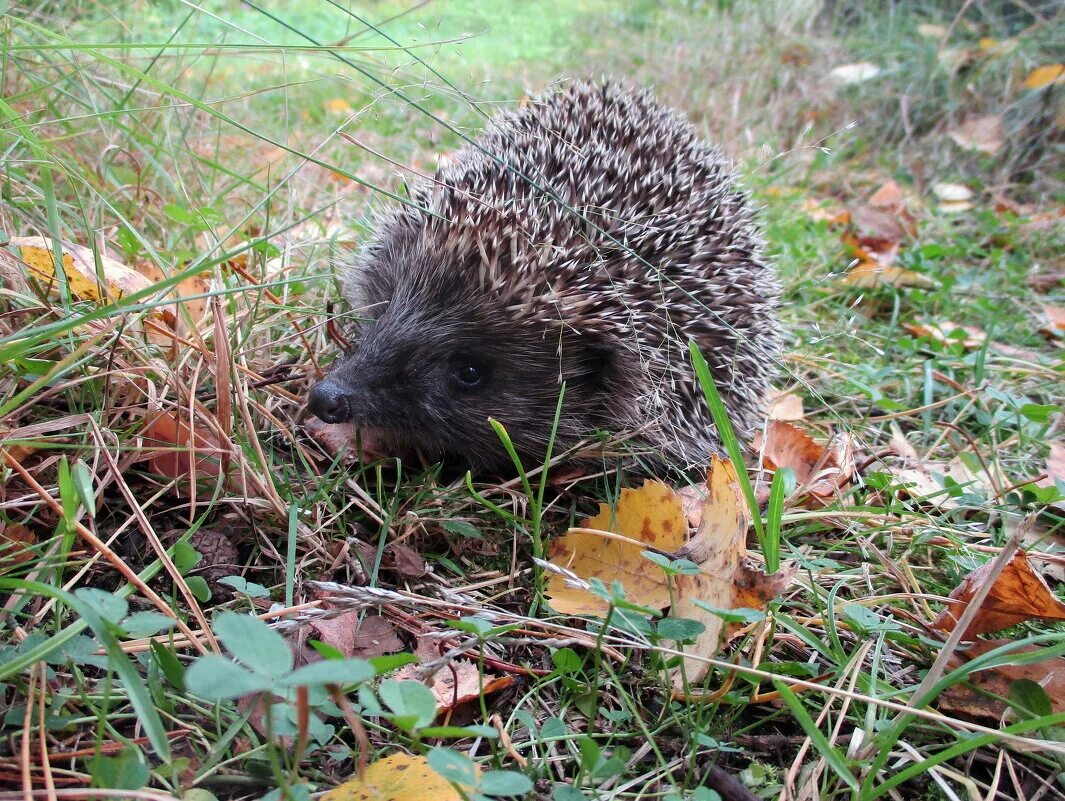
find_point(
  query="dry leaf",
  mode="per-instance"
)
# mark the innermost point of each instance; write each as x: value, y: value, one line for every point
x: 16, y: 544
x: 969, y: 701
x: 405, y: 561
x: 869, y: 274
x: 1044, y: 76
x: 944, y: 331
x: 888, y: 198
x: 1018, y: 594
x: 188, y: 288
x: 372, y: 636
x: 176, y: 439
x: 79, y: 266
x: 826, y: 211
x: 652, y: 515
x: 726, y: 579
x: 983, y: 134
x: 337, y: 105
x: 850, y: 74
x: 456, y: 683
x: 1055, y: 320
x: 786, y: 406
x: 399, y: 777
x: 819, y: 470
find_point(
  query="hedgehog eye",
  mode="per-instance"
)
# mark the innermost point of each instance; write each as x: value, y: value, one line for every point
x: 465, y: 373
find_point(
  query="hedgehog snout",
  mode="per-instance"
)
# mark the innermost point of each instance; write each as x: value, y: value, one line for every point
x: 330, y: 401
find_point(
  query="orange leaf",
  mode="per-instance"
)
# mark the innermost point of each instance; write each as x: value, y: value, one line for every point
x: 871, y: 274
x: 651, y: 515
x: 1018, y: 594
x: 819, y: 469
x: 164, y: 430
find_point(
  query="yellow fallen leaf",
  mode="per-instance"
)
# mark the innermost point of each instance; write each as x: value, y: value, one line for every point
x: 870, y: 274
x: 399, y: 777
x: 79, y: 266
x: 338, y: 105
x: 653, y: 515
x: 726, y: 580
x: 1044, y: 76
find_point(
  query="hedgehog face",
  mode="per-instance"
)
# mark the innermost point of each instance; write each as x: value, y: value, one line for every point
x: 426, y: 376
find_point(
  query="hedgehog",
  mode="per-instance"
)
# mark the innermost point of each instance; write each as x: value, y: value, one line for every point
x: 570, y: 251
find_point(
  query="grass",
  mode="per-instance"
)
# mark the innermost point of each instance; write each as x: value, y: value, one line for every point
x: 203, y: 140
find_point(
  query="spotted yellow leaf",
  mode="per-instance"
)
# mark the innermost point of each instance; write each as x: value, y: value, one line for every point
x: 652, y: 516
x: 79, y: 266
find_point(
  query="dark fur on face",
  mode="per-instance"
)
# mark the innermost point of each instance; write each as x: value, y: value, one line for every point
x: 435, y: 359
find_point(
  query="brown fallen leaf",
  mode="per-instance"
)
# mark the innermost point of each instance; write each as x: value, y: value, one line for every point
x: 966, y: 699
x: 984, y: 134
x: 786, y: 406
x: 399, y: 777
x: 819, y: 470
x: 176, y: 440
x: 727, y: 580
x: 456, y: 683
x: 888, y: 198
x: 16, y: 545
x: 184, y: 294
x: 651, y: 515
x: 405, y: 561
x: 947, y: 332
x: 1054, y: 324
x: 1018, y: 594
x: 371, y: 636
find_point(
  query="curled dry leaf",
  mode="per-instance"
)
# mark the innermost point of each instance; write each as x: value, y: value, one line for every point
x: 176, y: 441
x: 819, y: 470
x: 399, y: 777
x: 727, y: 579
x: 651, y: 515
x: 825, y: 211
x: 458, y: 682
x: 983, y: 134
x: 973, y: 699
x: 1018, y: 594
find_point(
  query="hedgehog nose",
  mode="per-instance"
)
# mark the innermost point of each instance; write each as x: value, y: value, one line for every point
x: 330, y: 402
